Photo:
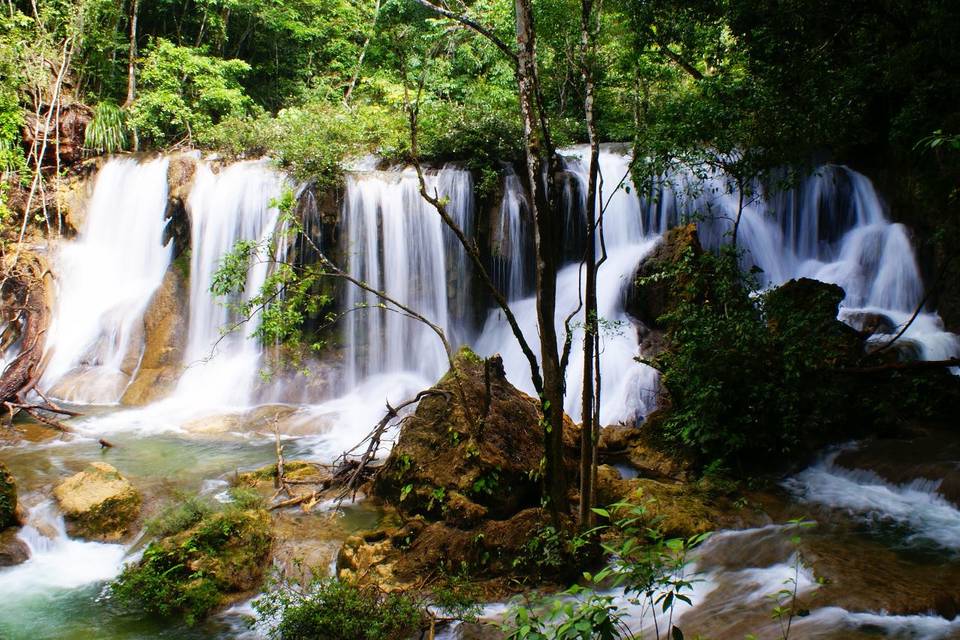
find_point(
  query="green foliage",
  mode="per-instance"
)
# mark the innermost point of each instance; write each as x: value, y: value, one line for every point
x: 650, y: 570
x: 339, y: 610
x: 203, y: 554
x: 290, y: 294
x: 184, y: 93
x: 579, y: 615
x: 745, y: 370
x: 107, y: 131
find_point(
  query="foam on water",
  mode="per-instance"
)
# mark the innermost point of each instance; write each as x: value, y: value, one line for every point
x: 928, y: 516
x: 57, y: 562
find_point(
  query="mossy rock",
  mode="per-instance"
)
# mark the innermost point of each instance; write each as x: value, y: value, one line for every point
x: 677, y: 509
x: 98, y: 503
x: 292, y: 470
x: 194, y: 572
x: 451, y: 463
x: 8, y: 499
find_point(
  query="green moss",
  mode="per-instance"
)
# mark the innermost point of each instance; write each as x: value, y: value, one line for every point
x: 195, y: 571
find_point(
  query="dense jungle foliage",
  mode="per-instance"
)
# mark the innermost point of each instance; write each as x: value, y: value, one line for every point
x: 310, y: 81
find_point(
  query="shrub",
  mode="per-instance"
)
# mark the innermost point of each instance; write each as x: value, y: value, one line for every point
x: 203, y: 558
x: 184, y: 93
x: 333, y: 609
x: 107, y: 131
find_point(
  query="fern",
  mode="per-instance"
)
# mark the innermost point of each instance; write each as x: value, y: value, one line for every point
x: 107, y: 131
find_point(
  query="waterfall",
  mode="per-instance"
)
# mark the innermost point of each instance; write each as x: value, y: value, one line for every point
x: 831, y: 227
x: 512, y: 248
x: 630, y: 387
x: 397, y: 243
x: 105, y: 280
x: 225, y: 208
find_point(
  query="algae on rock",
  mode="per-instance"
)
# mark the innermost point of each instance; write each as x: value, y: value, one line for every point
x: 98, y: 503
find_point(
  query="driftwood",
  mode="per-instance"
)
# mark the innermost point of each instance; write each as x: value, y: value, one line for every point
x: 350, y: 471
x: 26, y: 308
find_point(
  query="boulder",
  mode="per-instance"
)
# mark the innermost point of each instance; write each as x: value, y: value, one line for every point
x: 9, y: 516
x: 456, y: 465
x: 652, y: 296
x: 98, y: 503
x: 212, y: 563
x: 499, y: 551
x: 13, y: 550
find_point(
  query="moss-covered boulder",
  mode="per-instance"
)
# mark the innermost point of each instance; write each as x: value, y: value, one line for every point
x: 464, y: 465
x: 8, y: 499
x: 98, y: 503
x: 500, y: 553
x: 652, y: 296
x: 216, y: 561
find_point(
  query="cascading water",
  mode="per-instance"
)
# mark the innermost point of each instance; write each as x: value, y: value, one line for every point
x: 397, y: 243
x: 105, y: 281
x: 832, y: 227
x: 226, y: 207
x: 630, y: 386
x: 512, y: 254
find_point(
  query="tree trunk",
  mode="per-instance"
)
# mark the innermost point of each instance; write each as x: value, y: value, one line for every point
x: 132, y: 59
x: 591, y: 322
x: 546, y: 227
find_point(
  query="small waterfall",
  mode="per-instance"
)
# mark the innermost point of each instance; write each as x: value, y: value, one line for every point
x: 106, y: 278
x: 512, y: 247
x: 56, y: 561
x: 831, y: 227
x: 629, y: 387
x: 397, y: 243
x: 225, y: 208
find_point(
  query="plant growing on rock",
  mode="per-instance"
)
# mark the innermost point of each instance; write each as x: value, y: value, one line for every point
x: 203, y: 559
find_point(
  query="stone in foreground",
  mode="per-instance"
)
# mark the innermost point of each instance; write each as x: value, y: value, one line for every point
x: 98, y: 503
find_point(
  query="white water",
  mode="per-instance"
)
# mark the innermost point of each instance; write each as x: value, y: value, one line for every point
x: 630, y: 387
x: 832, y: 227
x: 57, y: 563
x: 928, y: 517
x: 397, y: 243
x: 105, y: 279
x: 226, y: 207
x: 511, y: 248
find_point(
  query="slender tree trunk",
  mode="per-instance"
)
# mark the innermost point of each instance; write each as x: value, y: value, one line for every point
x: 546, y: 226
x: 132, y: 59
x: 363, y: 54
x: 591, y: 322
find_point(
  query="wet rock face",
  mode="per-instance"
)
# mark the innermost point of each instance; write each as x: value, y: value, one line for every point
x: 8, y: 499
x: 648, y: 301
x: 98, y: 503
x: 13, y: 550
x: 180, y: 174
x: 165, y: 330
